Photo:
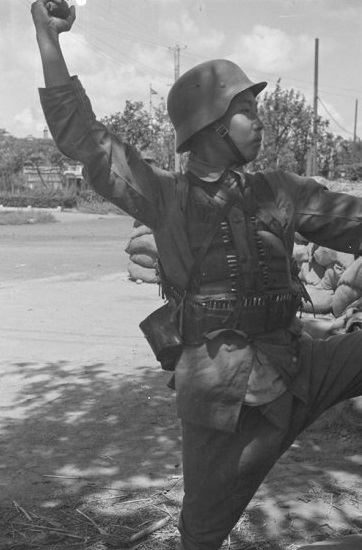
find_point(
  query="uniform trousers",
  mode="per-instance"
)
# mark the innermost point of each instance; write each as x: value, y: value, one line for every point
x: 222, y: 470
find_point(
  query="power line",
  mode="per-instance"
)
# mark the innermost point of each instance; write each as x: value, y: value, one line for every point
x: 332, y: 117
x: 114, y: 57
x: 134, y: 38
x: 151, y: 38
x: 191, y: 53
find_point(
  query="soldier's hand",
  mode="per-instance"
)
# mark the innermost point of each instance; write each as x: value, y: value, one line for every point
x: 46, y: 16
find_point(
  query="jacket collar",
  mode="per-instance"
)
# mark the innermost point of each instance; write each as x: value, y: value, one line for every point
x: 209, y: 172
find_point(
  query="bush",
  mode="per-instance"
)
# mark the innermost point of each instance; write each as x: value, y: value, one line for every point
x: 43, y: 199
x: 89, y: 201
x: 86, y: 201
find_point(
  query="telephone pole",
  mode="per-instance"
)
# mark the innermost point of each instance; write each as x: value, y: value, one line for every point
x: 176, y: 59
x: 314, y: 163
x: 355, y: 122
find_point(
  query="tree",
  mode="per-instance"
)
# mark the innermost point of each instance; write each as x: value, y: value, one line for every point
x: 15, y: 153
x: 11, y: 161
x: 288, y: 130
x: 164, y: 137
x: 327, y: 150
x: 136, y: 127
x: 287, y: 124
x: 349, y: 154
x: 132, y: 125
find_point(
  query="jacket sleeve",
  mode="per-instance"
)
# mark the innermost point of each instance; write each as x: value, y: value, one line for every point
x: 324, y: 217
x: 114, y: 169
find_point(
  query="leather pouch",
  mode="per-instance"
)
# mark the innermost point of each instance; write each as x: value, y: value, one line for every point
x: 162, y: 332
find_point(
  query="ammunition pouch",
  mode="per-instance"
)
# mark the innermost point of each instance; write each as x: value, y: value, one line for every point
x: 186, y: 318
x: 162, y: 332
x: 252, y: 315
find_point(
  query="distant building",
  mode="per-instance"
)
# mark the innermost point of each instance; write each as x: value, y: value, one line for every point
x: 52, y: 177
x: 37, y: 178
x: 73, y: 176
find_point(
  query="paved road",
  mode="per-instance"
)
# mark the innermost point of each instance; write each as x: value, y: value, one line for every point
x: 76, y: 243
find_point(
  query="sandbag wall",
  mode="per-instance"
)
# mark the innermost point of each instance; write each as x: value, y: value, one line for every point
x: 142, y: 265
x: 332, y: 279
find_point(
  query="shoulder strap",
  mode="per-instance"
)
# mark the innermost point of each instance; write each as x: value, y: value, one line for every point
x: 225, y: 198
x: 264, y: 193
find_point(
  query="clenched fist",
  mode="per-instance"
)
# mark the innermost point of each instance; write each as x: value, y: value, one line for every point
x: 60, y: 10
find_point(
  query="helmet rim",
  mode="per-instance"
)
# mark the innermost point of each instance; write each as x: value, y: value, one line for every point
x: 203, y: 94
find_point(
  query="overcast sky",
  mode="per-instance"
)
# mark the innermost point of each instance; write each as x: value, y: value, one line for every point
x: 120, y: 48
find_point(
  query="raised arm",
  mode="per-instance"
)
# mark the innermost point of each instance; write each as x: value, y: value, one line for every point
x: 48, y: 29
x: 114, y: 170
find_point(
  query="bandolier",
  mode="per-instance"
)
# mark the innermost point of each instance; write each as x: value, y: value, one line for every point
x: 247, y: 280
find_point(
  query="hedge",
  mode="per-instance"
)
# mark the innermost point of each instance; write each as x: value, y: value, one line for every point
x: 43, y: 200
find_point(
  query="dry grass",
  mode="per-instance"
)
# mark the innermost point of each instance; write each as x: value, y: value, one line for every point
x: 137, y: 520
x: 121, y: 526
x: 141, y: 520
x: 79, y: 528
x: 23, y: 217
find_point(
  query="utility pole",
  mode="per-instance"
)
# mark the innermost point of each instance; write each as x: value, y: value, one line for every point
x: 355, y: 131
x: 176, y: 57
x: 150, y: 107
x: 314, y: 163
x: 355, y: 122
x: 152, y: 92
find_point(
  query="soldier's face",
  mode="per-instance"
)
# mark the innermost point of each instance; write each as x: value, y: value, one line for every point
x: 245, y: 127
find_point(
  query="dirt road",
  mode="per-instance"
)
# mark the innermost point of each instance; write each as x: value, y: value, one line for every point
x: 85, y: 410
x: 73, y: 362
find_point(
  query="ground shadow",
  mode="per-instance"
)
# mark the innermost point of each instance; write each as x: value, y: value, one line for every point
x: 314, y: 492
x: 90, y: 438
x: 77, y: 435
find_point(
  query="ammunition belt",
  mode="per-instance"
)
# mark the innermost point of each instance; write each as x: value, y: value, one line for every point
x: 251, y: 314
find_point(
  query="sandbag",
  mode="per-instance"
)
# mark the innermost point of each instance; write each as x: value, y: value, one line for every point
x: 144, y: 244
x: 139, y: 273
x: 144, y: 260
x: 343, y: 296
x: 322, y: 300
x: 324, y: 256
x: 331, y: 277
x: 344, y: 259
x: 300, y: 253
x: 311, y: 273
x: 140, y: 230
x: 349, y: 287
x: 352, y: 276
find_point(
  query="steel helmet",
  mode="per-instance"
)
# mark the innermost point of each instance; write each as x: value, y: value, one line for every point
x: 203, y: 94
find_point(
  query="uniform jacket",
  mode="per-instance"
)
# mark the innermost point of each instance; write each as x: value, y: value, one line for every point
x: 215, y: 378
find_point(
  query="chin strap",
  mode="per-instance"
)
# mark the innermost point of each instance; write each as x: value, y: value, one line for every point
x: 223, y: 132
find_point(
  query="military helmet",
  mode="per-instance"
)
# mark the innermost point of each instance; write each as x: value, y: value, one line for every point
x: 203, y: 94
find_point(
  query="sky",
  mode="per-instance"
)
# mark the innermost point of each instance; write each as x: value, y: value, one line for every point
x: 121, y: 49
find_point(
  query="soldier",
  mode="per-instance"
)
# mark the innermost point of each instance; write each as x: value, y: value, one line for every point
x: 248, y: 380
